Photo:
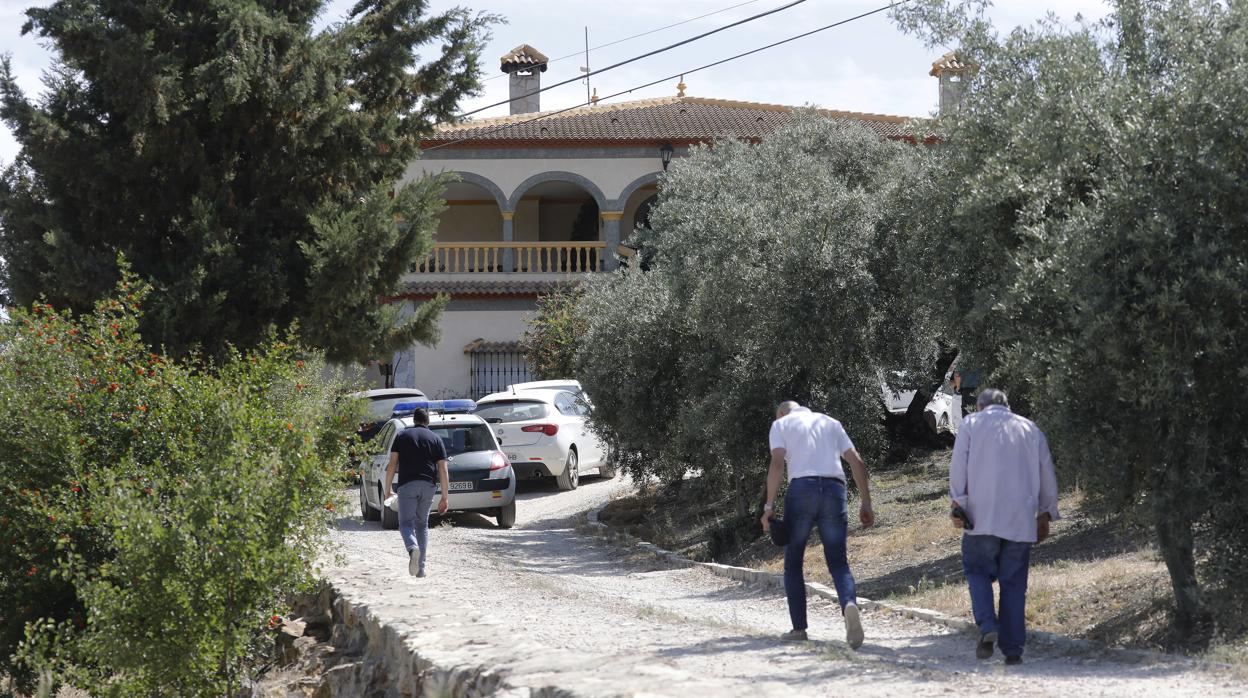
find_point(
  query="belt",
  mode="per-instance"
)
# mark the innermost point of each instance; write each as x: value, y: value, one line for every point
x: 821, y: 477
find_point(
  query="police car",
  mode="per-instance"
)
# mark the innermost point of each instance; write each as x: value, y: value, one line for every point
x: 482, y: 478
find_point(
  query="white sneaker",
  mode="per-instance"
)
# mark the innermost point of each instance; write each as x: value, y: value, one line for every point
x: 413, y: 562
x: 853, y: 626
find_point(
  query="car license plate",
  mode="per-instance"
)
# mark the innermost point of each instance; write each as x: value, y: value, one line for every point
x: 513, y: 457
x: 465, y: 486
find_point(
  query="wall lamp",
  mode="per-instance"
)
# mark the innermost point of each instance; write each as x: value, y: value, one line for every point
x: 665, y: 152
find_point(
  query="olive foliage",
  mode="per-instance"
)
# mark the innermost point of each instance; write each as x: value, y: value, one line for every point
x: 1088, y: 203
x: 770, y: 278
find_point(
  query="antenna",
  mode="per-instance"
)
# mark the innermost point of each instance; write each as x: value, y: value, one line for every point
x: 585, y: 68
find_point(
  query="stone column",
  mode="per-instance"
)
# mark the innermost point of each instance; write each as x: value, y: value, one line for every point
x: 611, y: 236
x: 509, y: 234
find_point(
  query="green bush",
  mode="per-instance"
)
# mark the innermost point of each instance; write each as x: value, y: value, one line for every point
x: 156, y: 511
x: 554, y: 334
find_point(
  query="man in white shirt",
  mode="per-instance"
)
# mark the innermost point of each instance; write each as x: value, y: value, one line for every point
x: 813, y: 444
x: 1002, y: 477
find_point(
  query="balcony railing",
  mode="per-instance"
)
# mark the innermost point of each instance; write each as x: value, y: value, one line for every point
x: 523, y: 257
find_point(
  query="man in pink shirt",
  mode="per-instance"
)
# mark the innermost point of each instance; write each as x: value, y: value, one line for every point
x: 1001, y: 478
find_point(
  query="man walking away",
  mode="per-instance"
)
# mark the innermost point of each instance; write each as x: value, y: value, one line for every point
x: 813, y: 445
x: 1002, y: 478
x: 417, y: 452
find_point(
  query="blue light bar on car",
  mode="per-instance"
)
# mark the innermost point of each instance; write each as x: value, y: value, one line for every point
x: 444, y: 406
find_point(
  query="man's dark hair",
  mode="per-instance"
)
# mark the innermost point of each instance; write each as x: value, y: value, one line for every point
x: 420, y: 416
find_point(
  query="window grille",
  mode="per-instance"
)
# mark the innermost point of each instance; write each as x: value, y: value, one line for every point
x: 496, y: 365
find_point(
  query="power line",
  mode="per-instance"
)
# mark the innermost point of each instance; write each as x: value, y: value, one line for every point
x: 751, y: 52
x: 634, y: 59
x: 638, y: 36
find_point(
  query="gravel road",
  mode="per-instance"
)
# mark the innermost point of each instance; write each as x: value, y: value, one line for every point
x: 547, y: 606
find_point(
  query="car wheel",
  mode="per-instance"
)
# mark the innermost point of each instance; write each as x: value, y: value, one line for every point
x: 366, y: 510
x: 507, y: 516
x: 389, y: 517
x: 571, y: 475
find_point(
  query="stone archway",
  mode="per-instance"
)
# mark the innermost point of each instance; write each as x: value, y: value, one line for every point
x: 485, y: 183
x: 557, y: 223
x: 558, y: 176
x: 472, y: 228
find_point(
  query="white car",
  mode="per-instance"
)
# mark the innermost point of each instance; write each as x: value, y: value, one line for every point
x: 569, y: 384
x: 482, y: 478
x: 381, y: 402
x: 943, y: 413
x: 545, y: 433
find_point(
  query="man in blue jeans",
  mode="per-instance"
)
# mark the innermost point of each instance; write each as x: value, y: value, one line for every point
x: 813, y: 445
x: 417, y: 454
x: 1001, y: 476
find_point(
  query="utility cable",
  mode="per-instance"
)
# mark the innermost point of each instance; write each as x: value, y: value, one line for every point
x: 636, y: 36
x: 634, y: 59
x: 547, y: 115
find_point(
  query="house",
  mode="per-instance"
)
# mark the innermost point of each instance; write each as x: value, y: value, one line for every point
x: 545, y: 199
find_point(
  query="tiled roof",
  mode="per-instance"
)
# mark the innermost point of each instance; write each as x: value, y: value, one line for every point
x: 690, y: 119
x: 484, y: 287
x: 523, y: 57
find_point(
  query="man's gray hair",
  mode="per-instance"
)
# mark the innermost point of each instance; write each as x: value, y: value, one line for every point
x: 992, y: 396
x: 786, y: 407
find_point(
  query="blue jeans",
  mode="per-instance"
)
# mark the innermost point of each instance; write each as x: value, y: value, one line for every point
x: 415, y: 500
x: 812, y: 501
x: 986, y: 559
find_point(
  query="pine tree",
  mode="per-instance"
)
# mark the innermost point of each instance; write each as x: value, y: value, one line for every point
x: 246, y: 164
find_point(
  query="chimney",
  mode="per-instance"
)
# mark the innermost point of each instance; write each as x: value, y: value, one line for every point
x: 525, y: 65
x: 953, y: 72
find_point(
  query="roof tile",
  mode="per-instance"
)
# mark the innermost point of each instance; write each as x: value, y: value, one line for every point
x: 665, y: 118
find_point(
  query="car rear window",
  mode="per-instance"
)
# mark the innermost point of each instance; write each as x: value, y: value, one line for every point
x: 464, y: 438
x: 504, y: 411
x: 382, y: 407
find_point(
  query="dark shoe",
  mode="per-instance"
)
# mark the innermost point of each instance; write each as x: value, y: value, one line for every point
x: 984, y: 649
x: 413, y: 562
x: 794, y: 636
x: 1013, y: 661
x: 853, y: 626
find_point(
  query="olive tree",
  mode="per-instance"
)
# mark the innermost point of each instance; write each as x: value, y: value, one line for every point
x: 1090, y: 212
x: 771, y: 278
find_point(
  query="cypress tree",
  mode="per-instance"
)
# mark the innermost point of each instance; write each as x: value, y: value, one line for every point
x: 245, y: 163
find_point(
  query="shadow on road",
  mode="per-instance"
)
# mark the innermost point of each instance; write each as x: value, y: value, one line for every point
x: 526, y: 490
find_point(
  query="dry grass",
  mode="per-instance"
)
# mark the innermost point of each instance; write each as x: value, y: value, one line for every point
x: 1071, y: 598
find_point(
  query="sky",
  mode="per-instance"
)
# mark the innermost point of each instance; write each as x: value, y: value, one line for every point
x: 866, y: 66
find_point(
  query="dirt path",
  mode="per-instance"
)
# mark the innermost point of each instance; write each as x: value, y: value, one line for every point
x: 549, y: 607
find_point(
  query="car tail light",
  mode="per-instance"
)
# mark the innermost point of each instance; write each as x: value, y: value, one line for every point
x: 498, y: 461
x: 547, y: 429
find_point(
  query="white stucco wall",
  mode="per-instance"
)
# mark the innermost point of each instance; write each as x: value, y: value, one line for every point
x: 442, y: 371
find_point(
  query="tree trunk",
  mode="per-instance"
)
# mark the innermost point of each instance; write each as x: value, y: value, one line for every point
x: 1193, y: 622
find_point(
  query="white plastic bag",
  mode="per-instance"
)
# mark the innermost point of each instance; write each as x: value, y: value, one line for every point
x: 392, y: 501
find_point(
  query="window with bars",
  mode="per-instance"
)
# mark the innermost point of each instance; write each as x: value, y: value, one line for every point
x: 496, y: 365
